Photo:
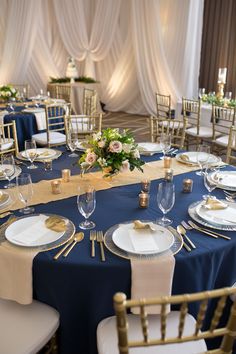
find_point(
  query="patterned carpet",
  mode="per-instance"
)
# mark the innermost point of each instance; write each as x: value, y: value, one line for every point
x: 137, y: 124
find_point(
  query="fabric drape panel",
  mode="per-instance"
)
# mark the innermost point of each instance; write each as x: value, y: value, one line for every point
x: 218, y: 44
x: 132, y: 47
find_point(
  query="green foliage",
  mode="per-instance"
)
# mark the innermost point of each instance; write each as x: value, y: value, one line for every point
x: 63, y: 80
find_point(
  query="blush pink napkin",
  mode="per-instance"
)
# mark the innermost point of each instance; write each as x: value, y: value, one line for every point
x: 16, y: 273
x: 151, y: 278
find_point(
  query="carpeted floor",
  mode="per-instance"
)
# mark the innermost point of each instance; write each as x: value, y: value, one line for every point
x: 139, y: 125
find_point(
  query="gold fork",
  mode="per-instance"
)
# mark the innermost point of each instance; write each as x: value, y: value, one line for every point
x: 93, y: 238
x: 100, y: 241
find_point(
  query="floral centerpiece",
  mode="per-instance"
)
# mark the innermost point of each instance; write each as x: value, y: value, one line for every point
x: 8, y: 92
x: 111, y: 151
x: 224, y: 102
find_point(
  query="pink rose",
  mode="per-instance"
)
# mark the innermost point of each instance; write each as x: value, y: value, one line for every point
x: 125, y: 166
x: 115, y: 146
x: 101, y: 143
x: 91, y: 158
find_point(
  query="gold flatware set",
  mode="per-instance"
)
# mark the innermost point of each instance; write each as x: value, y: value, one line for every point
x: 97, y: 236
x: 78, y: 237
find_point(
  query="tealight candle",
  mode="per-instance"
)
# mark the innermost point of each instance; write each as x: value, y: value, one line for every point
x: 47, y: 165
x: 56, y: 187
x: 167, y: 162
x: 169, y: 175
x: 187, y: 185
x: 65, y: 175
x: 145, y: 185
x: 143, y: 200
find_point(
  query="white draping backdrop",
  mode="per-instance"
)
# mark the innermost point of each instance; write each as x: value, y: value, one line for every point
x: 133, y: 47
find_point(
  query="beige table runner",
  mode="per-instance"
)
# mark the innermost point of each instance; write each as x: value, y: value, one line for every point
x: 43, y: 194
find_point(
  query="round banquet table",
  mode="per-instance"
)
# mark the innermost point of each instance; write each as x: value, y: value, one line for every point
x: 81, y: 287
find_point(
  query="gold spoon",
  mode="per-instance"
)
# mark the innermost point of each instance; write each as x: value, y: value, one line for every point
x: 182, y: 231
x: 77, y: 238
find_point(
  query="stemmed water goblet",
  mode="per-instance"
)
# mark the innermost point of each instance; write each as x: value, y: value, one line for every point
x: 203, y: 155
x: 165, y: 143
x: 8, y: 169
x: 165, y: 201
x: 25, y: 191
x: 86, y: 202
x: 31, y: 152
x: 210, y: 180
x: 72, y: 142
x: 201, y: 92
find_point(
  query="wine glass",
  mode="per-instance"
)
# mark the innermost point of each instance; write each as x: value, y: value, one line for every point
x: 8, y: 169
x: 25, y: 191
x: 165, y: 143
x: 210, y: 180
x: 31, y: 152
x: 203, y: 155
x: 72, y: 142
x: 165, y: 201
x: 86, y: 202
x: 201, y: 92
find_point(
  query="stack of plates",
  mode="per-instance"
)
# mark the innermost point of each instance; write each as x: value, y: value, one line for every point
x: 11, y: 171
x: 224, y: 179
x: 42, y: 154
x: 149, y: 148
x: 221, y: 219
x: 190, y: 157
x: 33, y: 110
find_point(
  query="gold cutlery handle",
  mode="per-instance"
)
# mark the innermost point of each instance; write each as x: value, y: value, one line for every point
x: 69, y: 249
x: 62, y: 250
x: 206, y: 232
x: 219, y: 235
x: 93, y: 249
x: 189, y: 241
x: 187, y: 247
x: 102, y: 252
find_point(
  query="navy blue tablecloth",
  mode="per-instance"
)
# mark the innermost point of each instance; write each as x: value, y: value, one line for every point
x: 81, y: 288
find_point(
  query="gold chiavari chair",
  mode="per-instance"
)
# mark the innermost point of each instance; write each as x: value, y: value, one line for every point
x: 55, y: 131
x: 51, y: 88
x: 23, y: 89
x: 83, y: 126
x: 231, y: 148
x: 174, y: 332
x: 163, y: 106
x: 223, y: 118
x: 64, y: 92
x: 8, y: 139
x: 197, y: 132
x: 89, y: 102
x: 175, y: 127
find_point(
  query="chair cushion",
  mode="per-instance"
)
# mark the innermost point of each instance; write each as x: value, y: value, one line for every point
x: 6, y: 145
x: 204, y: 132
x: 54, y: 138
x: 223, y: 140
x: 107, y: 335
x: 25, y: 329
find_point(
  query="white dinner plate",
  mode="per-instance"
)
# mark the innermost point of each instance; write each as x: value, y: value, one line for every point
x: 142, y: 241
x: 31, y: 232
x: 225, y: 217
x: 41, y: 153
x: 192, y: 158
x: 149, y: 148
x: 3, y: 167
x: 33, y: 110
x: 224, y: 179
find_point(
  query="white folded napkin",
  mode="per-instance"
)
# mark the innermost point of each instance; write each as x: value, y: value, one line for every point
x: 228, y: 214
x: 142, y: 240
x: 151, y: 278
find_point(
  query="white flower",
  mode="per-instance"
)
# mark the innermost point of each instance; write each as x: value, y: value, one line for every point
x: 136, y: 154
x: 125, y: 166
x: 91, y: 158
x: 96, y: 136
x: 127, y: 148
x: 102, y: 162
x: 13, y: 90
x: 101, y: 143
x: 115, y: 146
x: 8, y: 93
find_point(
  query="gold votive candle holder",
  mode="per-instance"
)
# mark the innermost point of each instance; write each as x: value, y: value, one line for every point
x: 145, y: 185
x: 47, y: 165
x: 143, y: 200
x: 56, y: 187
x: 167, y: 162
x: 187, y: 185
x: 65, y: 175
x: 169, y: 175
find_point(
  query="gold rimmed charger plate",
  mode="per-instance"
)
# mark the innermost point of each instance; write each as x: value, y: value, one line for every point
x: 175, y: 248
x: 67, y: 236
x: 54, y: 157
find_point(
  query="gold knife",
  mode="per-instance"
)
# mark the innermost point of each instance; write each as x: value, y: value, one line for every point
x: 63, y: 249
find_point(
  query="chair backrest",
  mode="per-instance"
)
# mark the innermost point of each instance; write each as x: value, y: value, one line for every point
x: 51, y: 88
x: 8, y: 139
x: 163, y: 105
x: 83, y: 126
x: 201, y: 299
x: 192, y: 111
x: 231, y: 148
x: 223, y: 118
x: 175, y: 127
x: 89, y: 102
x: 63, y: 92
x: 55, y: 115
x: 23, y: 89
